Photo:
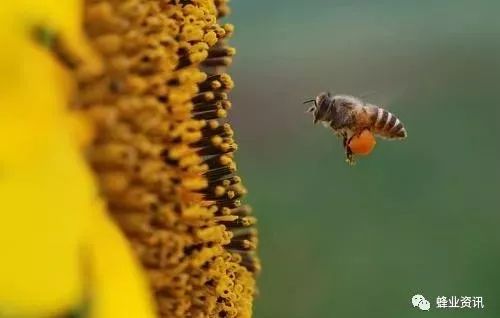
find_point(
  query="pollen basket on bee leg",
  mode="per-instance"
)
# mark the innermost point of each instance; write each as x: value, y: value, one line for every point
x: 362, y: 144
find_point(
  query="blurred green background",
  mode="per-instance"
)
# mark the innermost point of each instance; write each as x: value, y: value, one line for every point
x: 417, y: 216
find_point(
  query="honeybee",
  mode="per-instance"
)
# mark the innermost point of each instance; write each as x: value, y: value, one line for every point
x: 351, y: 118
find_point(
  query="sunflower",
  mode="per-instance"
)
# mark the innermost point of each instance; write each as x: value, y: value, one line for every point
x: 117, y: 167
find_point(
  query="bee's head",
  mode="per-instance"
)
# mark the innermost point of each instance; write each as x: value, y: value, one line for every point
x: 320, y: 107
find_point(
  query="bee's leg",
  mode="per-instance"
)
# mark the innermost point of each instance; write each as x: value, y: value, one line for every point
x: 348, y: 153
x: 344, y: 140
x: 349, y: 156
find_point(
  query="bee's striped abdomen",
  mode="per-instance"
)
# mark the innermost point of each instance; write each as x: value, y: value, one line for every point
x: 386, y: 124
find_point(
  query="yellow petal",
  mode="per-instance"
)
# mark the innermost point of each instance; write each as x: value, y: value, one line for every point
x: 117, y: 286
x: 52, y: 259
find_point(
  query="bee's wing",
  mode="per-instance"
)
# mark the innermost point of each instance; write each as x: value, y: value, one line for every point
x: 365, y: 117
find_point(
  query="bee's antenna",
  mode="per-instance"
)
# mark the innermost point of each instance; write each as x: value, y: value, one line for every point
x: 309, y: 101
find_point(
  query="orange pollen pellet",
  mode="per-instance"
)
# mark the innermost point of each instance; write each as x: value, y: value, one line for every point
x: 363, y: 143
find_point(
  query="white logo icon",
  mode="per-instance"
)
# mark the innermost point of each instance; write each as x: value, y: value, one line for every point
x: 420, y: 302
